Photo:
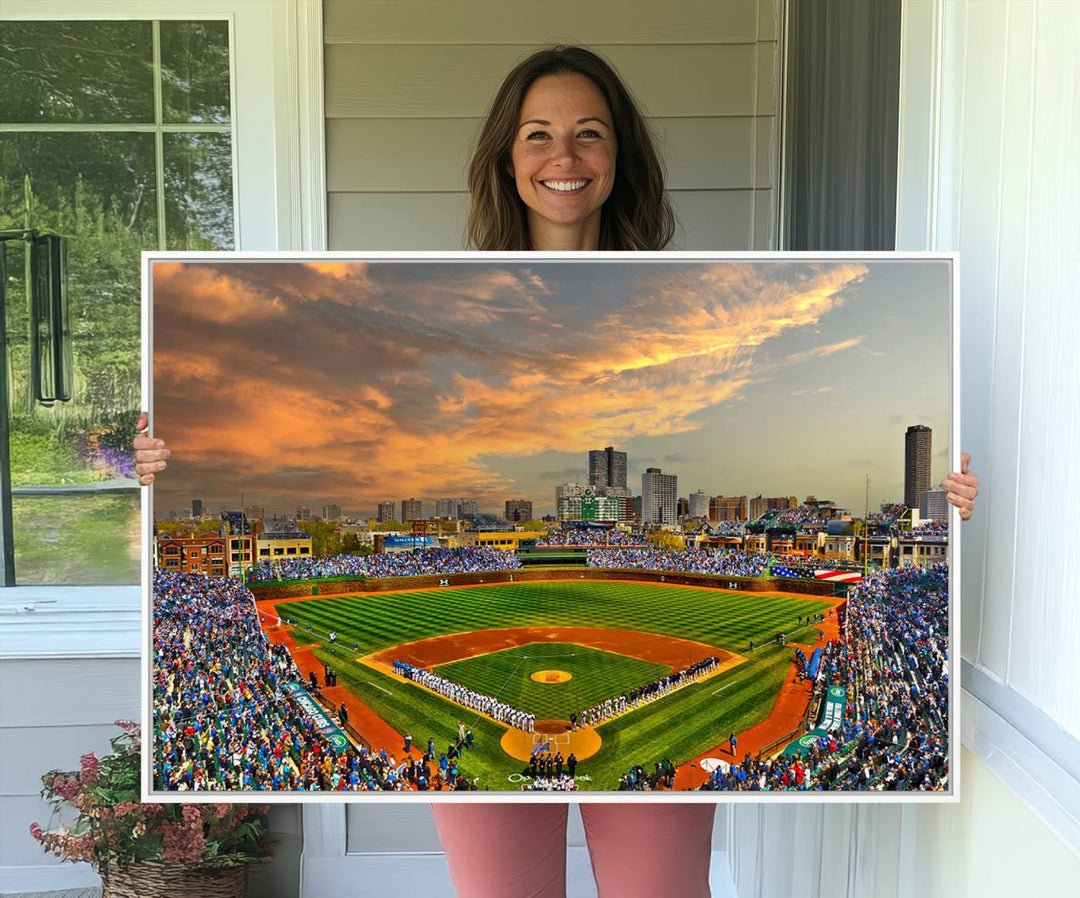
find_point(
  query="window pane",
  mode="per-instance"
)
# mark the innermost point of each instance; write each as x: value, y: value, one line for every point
x: 77, y: 540
x: 195, y: 72
x: 198, y: 192
x: 98, y: 191
x: 76, y: 72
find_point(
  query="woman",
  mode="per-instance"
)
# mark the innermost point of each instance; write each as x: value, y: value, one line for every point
x: 565, y: 162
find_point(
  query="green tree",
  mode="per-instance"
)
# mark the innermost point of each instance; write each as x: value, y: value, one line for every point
x: 325, y: 540
x: 667, y: 541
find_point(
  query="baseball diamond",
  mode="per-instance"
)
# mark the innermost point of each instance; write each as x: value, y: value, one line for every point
x: 603, y: 640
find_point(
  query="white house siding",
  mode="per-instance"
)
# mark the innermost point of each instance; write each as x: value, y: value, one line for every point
x: 408, y: 83
x: 53, y: 711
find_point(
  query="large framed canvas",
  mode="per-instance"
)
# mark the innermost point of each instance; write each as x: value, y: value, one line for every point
x: 475, y: 527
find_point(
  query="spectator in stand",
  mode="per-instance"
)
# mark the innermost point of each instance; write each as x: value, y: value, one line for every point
x: 223, y: 716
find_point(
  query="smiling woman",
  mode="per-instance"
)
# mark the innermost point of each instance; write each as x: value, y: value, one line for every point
x: 563, y: 117
x: 563, y: 160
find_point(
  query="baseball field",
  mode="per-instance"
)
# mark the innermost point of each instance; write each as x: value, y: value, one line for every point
x: 551, y: 648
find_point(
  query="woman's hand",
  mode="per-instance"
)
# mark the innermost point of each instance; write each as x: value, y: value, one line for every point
x: 150, y: 454
x: 962, y: 487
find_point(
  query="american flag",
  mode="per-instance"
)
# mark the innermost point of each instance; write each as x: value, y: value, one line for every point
x: 839, y: 576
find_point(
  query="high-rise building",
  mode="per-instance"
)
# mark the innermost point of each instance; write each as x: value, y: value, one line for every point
x: 331, y: 512
x: 385, y: 513
x: 446, y: 508
x: 917, y: 452
x: 303, y: 513
x: 699, y: 504
x: 607, y: 468
x: 411, y: 510
x: 518, y: 510
x: 933, y: 505
x: 659, y: 497
x: 467, y: 506
x: 727, y: 508
x: 196, y: 508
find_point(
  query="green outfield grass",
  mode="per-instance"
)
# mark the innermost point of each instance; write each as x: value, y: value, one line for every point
x: 724, y: 619
x: 595, y: 676
x: 679, y: 726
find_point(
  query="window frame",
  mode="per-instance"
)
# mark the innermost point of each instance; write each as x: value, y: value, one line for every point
x: 279, y: 204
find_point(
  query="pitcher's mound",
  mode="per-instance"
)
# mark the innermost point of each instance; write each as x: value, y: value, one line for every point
x: 550, y: 676
x: 583, y: 741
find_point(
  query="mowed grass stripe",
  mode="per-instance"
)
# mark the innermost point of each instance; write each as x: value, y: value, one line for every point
x: 728, y: 620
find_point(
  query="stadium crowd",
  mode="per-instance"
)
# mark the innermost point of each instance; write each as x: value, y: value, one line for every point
x: 892, y: 662
x: 590, y: 536
x: 930, y: 528
x: 485, y: 704
x: 638, y: 779
x: 694, y: 561
x: 801, y: 516
x: 222, y: 720
x: 397, y: 564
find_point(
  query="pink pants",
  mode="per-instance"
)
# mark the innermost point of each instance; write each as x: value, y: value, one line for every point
x: 519, y: 850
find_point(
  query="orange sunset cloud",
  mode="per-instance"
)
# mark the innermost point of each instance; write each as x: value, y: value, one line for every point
x: 362, y: 381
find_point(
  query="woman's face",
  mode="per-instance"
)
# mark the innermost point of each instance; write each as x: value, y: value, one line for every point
x: 563, y: 157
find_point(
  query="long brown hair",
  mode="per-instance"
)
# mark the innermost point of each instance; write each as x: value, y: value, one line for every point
x: 637, y: 214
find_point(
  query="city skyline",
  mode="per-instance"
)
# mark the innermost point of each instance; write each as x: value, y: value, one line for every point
x: 494, y: 380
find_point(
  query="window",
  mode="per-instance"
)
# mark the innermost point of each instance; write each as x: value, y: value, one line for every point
x: 117, y: 135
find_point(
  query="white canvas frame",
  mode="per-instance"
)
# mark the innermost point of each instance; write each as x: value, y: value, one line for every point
x: 328, y: 828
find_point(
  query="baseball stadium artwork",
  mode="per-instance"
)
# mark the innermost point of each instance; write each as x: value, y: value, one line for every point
x: 588, y: 526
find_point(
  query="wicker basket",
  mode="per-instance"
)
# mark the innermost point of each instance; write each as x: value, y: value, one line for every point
x: 172, y: 880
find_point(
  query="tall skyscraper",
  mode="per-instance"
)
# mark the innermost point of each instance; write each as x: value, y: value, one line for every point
x: 659, y: 497
x: 446, y: 508
x: 196, y: 508
x: 303, y: 513
x: 411, y: 510
x: 385, y: 513
x: 518, y: 510
x: 607, y: 468
x: 917, y: 456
